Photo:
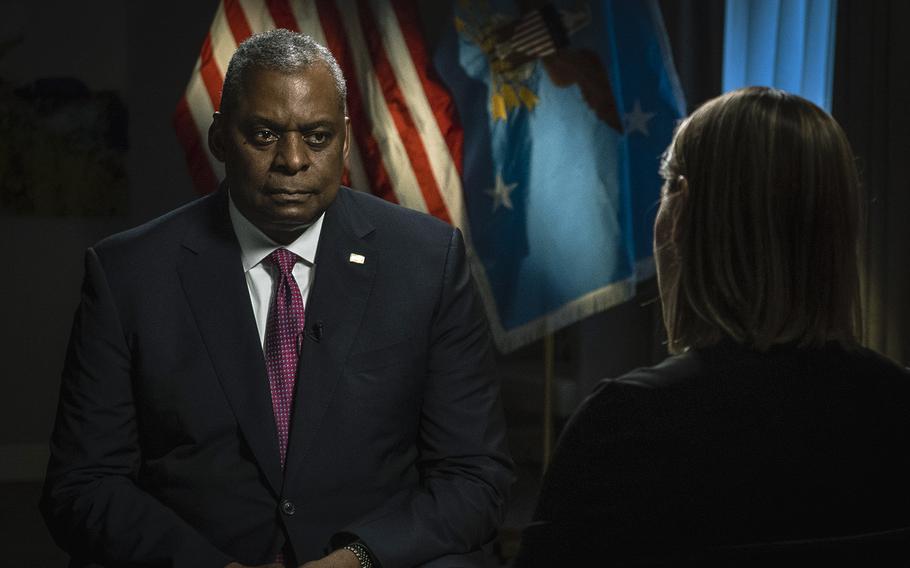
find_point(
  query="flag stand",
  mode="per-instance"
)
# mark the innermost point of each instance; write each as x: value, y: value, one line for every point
x: 549, y: 349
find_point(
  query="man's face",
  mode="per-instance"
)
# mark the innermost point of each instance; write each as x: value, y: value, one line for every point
x: 283, y: 145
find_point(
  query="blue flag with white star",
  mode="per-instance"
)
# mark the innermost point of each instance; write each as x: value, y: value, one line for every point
x: 566, y: 109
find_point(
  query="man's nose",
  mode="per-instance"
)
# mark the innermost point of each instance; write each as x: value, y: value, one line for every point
x: 293, y: 154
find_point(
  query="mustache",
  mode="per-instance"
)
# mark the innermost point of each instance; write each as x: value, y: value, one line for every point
x: 289, y: 190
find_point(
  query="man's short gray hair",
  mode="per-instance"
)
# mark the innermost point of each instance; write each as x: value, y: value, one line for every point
x: 277, y: 50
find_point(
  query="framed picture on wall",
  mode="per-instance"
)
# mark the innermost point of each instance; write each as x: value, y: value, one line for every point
x: 63, y: 121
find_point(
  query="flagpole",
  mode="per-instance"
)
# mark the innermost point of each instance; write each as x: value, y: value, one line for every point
x: 548, y: 378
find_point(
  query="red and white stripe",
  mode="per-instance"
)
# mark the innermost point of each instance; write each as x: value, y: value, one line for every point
x: 407, y: 140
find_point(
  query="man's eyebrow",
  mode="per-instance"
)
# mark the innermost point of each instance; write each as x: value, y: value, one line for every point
x: 257, y: 119
x: 316, y: 124
x: 273, y: 125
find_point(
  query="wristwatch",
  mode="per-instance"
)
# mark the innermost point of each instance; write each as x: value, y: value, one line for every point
x: 361, y: 552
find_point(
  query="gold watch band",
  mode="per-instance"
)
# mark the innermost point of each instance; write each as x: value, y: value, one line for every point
x: 362, y: 554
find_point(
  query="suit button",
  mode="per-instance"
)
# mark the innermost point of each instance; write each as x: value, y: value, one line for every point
x: 288, y: 508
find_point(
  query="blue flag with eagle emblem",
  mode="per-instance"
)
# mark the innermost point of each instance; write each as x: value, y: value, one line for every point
x: 566, y: 108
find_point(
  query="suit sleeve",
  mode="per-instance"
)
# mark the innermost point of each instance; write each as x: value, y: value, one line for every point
x: 91, y: 501
x: 465, y: 467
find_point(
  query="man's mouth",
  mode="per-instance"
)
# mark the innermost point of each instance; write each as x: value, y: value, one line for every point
x: 289, y: 195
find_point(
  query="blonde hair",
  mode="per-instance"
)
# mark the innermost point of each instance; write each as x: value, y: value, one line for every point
x: 765, y: 237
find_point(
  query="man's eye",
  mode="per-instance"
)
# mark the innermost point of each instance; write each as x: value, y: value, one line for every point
x: 317, y: 138
x: 264, y: 136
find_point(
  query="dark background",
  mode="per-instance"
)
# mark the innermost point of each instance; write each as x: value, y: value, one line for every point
x: 146, y: 52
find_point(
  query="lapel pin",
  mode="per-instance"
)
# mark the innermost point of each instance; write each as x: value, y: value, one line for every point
x: 357, y: 258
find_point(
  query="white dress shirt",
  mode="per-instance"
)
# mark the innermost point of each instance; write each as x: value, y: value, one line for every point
x: 260, y: 280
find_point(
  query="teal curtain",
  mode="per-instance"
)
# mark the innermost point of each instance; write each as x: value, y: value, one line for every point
x: 788, y: 44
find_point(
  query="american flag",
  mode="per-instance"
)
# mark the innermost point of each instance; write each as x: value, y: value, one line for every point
x: 407, y: 140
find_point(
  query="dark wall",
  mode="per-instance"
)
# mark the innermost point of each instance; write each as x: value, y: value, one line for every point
x: 145, y: 51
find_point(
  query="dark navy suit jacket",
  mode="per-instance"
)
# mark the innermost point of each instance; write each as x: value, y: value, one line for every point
x: 164, y: 451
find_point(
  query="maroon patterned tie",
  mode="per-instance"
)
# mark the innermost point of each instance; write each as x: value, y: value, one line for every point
x: 284, y: 328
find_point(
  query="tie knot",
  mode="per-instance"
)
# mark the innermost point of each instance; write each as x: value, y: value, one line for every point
x: 284, y: 260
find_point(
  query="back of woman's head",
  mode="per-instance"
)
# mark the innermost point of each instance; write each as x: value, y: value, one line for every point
x: 763, y: 204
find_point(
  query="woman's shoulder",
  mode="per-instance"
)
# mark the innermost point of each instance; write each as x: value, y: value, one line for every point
x: 673, y: 373
x: 730, y: 361
x: 624, y: 402
x: 730, y: 379
x: 867, y: 360
x: 669, y: 373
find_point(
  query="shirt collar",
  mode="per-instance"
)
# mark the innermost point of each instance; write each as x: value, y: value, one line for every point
x: 256, y: 245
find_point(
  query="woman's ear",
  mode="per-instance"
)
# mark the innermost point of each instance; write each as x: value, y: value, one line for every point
x: 680, y: 197
x: 682, y: 185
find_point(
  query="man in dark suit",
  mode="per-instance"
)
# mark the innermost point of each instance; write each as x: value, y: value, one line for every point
x: 178, y: 442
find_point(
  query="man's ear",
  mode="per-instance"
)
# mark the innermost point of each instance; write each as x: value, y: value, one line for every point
x: 216, y: 136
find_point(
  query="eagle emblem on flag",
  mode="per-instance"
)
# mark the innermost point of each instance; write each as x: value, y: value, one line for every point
x: 539, y: 35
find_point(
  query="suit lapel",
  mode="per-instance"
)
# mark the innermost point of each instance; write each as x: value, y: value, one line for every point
x: 212, y: 277
x: 334, y: 311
